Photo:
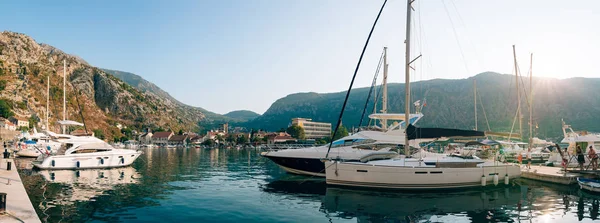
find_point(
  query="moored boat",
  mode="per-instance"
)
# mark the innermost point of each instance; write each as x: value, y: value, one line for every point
x: 88, y: 155
x: 589, y: 184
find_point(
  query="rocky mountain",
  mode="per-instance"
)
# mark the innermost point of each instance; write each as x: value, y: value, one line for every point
x: 449, y: 103
x: 104, y: 99
x: 243, y: 115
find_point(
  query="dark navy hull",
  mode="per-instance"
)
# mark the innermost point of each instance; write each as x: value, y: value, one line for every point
x: 303, y: 166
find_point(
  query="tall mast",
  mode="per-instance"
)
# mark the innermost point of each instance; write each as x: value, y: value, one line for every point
x: 407, y: 79
x: 518, y: 93
x: 64, y: 94
x: 475, y: 100
x: 530, y: 102
x: 384, y: 102
x: 47, y: 103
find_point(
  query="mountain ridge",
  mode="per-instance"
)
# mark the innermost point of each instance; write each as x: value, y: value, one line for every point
x: 105, y: 100
x: 450, y: 104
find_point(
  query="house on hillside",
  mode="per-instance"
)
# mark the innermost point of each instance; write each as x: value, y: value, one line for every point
x: 20, y: 122
x: 145, y: 138
x: 5, y: 124
x: 280, y: 137
x: 178, y: 140
x: 161, y: 138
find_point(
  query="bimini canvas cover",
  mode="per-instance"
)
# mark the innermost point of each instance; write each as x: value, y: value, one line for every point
x: 69, y: 122
x: 434, y: 133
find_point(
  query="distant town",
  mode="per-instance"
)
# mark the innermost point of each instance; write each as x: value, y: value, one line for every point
x: 299, y: 131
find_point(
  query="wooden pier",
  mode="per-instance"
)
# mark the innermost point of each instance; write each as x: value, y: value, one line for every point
x: 18, y: 205
x: 549, y: 174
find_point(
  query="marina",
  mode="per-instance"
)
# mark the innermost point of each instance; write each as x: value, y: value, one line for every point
x: 254, y: 119
x: 230, y: 185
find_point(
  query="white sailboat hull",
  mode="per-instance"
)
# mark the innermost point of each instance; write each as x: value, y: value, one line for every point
x: 114, y: 158
x: 413, y: 177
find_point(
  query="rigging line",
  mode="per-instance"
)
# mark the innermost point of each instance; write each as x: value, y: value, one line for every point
x: 523, y: 84
x: 456, y: 37
x: 373, y: 84
x: 483, y: 108
x: 375, y: 102
x: 337, y: 126
x: 478, y: 57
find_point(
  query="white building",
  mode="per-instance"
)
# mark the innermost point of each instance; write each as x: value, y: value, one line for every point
x: 313, y: 130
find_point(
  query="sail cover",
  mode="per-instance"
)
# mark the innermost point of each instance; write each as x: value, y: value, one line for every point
x: 434, y: 133
x: 69, y: 122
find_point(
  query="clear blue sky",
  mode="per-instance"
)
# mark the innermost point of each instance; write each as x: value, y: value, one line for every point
x: 229, y: 55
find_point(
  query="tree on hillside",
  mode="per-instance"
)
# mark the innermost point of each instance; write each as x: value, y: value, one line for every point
x: 180, y: 132
x: 2, y: 83
x: 127, y: 132
x: 33, y: 120
x: 5, y: 110
x: 342, y: 132
x: 296, y: 131
x: 99, y: 134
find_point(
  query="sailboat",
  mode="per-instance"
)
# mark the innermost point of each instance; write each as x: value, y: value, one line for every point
x: 408, y: 172
x: 308, y: 161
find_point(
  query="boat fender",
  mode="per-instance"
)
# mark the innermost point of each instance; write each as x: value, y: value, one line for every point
x: 78, y: 164
x: 483, y: 181
x: 77, y: 174
x: 506, y: 180
x: 52, y: 176
x: 122, y: 160
x: 101, y: 161
x: 53, y: 163
x: 495, y: 179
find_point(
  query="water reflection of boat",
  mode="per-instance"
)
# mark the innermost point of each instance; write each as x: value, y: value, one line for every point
x: 89, y: 183
x: 376, y: 206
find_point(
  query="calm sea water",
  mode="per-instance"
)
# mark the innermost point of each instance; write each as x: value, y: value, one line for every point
x: 228, y: 185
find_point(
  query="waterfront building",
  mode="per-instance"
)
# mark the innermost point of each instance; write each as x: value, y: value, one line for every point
x: 161, y: 138
x: 280, y: 137
x: 145, y: 138
x: 313, y: 130
x: 178, y: 140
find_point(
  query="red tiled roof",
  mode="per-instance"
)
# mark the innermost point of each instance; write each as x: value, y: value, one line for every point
x: 161, y: 135
x: 178, y: 138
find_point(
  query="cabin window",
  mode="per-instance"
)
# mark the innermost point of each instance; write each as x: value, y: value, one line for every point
x: 89, y: 150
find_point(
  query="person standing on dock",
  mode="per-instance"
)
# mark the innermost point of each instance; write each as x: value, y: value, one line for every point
x: 593, y: 156
x: 580, y: 157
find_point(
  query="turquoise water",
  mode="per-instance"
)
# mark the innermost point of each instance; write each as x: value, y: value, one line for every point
x: 229, y: 185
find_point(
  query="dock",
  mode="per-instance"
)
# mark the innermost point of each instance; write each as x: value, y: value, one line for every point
x: 549, y: 174
x: 18, y: 205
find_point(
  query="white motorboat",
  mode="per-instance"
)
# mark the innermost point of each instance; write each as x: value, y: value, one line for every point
x: 88, y: 155
x: 308, y: 161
